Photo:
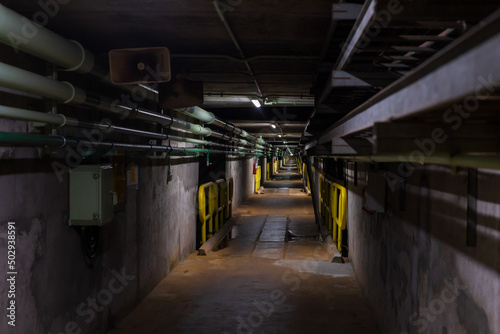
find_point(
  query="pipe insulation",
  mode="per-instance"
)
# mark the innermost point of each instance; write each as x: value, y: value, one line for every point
x: 23, y: 139
x: 62, y: 120
x: 30, y: 37
x: 26, y: 81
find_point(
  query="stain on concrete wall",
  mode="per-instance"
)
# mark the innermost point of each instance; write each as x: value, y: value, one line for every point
x: 412, y: 261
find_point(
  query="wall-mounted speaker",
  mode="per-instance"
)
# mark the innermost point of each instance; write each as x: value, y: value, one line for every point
x: 143, y: 65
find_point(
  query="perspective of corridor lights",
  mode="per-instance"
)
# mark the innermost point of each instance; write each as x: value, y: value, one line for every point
x: 256, y: 103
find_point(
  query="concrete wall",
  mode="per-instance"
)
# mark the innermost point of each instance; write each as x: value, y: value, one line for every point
x: 412, y: 261
x: 54, y: 285
x: 56, y: 289
x: 241, y: 170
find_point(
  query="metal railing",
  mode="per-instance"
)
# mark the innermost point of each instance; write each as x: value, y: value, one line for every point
x: 215, y: 201
x: 333, y: 208
x: 257, y: 178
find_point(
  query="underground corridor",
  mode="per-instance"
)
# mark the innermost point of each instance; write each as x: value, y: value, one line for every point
x: 249, y: 166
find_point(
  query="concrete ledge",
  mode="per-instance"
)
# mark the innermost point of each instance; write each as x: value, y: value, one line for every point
x: 330, y: 245
x: 215, y: 240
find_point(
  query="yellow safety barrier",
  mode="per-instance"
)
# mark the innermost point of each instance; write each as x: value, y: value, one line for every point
x: 258, y: 177
x: 207, y: 194
x: 333, y: 208
x: 268, y: 171
x: 215, y: 201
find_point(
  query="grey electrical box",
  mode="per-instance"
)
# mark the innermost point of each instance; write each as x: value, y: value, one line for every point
x: 91, y: 195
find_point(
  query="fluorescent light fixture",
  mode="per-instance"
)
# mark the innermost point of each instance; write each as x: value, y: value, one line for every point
x: 256, y: 103
x: 273, y: 126
x: 279, y: 136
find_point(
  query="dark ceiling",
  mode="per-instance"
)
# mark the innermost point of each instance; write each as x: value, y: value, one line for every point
x: 288, y: 49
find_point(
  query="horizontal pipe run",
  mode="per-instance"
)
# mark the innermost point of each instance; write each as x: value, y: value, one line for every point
x: 202, y: 115
x: 62, y: 120
x: 23, y: 139
x: 29, y: 82
x: 198, y: 113
x: 23, y: 34
x: 16, y: 78
x: 19, y: 79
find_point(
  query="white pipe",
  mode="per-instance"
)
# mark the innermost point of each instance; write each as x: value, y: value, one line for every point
x: 198, y: 113
x: 23, y: 34
x: 26, y: 81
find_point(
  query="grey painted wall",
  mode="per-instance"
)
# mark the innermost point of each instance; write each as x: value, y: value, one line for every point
x: 412, y: 261
x: 140, y: 246
x: 57, y: 291
x: 240, y: 169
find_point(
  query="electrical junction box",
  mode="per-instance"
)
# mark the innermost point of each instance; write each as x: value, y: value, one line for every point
x: 91, y: 195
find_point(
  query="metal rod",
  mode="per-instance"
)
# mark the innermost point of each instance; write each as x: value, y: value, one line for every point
x: 23, y: 34
x: 62, y: 120
x: 236, y: 44
x: 16, y: 78
x: 23, y: 139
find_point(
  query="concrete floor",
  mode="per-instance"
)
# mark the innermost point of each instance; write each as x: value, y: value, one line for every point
x: 273, y: 276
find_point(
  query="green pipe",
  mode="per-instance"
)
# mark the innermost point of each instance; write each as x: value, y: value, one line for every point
x: 198, y: 113
x: 23, y: 139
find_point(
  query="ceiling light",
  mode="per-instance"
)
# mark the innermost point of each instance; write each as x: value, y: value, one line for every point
x: 279, y: 136
x: 256, y: 103
x: 273, y: 126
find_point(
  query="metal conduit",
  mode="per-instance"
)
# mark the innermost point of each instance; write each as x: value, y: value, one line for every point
x: 54, y: 48
x: 236, y: 44
x: 72, y: 56
x: 23, y: 139
x: 19, y: 79
x: 62, y: 120
x: 208, y: 118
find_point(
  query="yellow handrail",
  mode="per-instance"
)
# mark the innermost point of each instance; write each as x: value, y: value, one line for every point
x: 215, y: 205
x: 338, y: 205
x: 258, y: 177
x: 206, y: 208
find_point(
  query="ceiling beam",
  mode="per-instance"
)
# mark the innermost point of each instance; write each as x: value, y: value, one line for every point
x: 436, y: 138
x: 453, y: 75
